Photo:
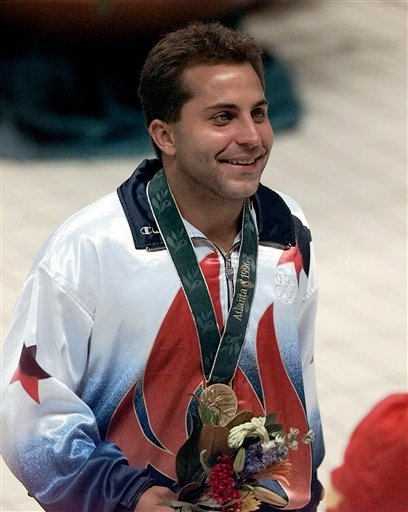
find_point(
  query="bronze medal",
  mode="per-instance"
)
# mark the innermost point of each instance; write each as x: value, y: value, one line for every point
x: 222, y: 400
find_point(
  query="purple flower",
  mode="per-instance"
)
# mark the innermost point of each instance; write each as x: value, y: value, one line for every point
x: 275, y: 455
x: 253, y: 461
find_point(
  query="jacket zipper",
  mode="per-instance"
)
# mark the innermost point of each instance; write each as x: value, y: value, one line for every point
x: 229, y: 274
x: 229, y: 269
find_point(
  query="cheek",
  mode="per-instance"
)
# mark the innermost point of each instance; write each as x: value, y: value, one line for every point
x: 267, y: 135
x: 212, y: 144
x: 219, y: 141
x: 204, y: 141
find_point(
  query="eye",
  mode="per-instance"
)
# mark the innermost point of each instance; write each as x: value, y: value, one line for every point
x: 259, y: 114
x: 222, y: 118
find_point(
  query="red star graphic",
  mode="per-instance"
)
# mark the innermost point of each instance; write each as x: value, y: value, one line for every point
x: 29, y: 372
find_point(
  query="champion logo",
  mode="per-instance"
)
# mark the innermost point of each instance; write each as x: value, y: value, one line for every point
x: 148, y: 230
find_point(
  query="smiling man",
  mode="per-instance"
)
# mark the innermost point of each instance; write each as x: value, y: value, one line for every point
x: 129, y: 310
x: 215, y: 153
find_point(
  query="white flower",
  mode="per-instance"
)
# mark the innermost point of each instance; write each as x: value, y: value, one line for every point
x: 280, y: 438
x: 237, y: 435
x: 293, y: 444
x: 308, y: 437
x: 293, y: 432
x: 253, y: 428
x: 292, y: 438
x: 269, y: 445
x: 260, y: 430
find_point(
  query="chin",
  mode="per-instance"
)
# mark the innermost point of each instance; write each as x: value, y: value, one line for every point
x: 248, y: 190
x: 243, y: 193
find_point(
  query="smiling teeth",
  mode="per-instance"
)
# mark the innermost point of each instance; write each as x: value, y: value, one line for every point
x: 240, y: 162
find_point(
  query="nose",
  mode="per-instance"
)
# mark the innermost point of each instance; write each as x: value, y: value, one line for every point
x: 248, y: 133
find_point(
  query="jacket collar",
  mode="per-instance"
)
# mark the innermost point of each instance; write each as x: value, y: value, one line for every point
x: 274, y: 218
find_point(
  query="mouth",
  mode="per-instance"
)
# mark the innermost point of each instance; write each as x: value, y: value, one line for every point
x: 243, y: 162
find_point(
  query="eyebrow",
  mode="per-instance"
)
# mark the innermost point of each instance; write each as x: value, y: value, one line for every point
x: 232, y: 106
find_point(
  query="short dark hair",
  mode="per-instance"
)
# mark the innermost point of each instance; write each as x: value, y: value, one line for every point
x: 162, y: 91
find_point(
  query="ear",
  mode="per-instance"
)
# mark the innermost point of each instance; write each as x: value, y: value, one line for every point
x: 162, y: 135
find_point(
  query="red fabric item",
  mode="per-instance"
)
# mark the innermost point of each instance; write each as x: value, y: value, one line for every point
x: 374, y: 473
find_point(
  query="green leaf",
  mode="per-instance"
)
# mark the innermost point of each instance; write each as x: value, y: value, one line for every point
x: 205, y: 466
x: 270, y: 419
x: 239, y: 461
x: 277, y: 427
x: 176, y: 504
x: 192, y: 492
x: 208, y: 415
x: 188, y: 465
x: 207, y: 503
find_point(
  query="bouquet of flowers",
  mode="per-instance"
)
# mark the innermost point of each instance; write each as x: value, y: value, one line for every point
x: 220, y: 465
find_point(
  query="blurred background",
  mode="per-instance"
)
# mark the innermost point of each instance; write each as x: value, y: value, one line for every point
x: 337, y: 81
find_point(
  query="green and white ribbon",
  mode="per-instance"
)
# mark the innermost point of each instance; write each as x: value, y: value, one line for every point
x: 219, y: 352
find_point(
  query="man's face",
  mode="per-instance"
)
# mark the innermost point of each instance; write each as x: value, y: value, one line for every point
x: 223, y: 138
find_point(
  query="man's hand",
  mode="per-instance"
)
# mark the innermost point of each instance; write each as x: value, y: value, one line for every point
x: 150, y: 499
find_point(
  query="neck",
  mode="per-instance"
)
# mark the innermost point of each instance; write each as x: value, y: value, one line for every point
x: 218, y: 219
x: 221, y: 227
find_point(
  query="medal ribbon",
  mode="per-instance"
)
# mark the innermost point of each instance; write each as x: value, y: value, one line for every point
x: 219, y: 353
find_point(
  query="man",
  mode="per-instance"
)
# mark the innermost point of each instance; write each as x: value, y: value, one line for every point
x: 109, y: 343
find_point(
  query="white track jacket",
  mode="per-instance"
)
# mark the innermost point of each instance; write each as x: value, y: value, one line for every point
x: 102, y: 357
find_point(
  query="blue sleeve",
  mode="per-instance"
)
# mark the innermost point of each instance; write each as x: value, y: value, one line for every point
x: 50, y: 437
x: 106, y: 483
